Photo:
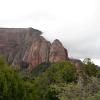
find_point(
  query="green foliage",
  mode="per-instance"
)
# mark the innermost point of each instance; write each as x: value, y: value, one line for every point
x: 57, y: 81
x: 12, y: 86
x: 2, y: 62
x: 87, y: 60
x: 94, y: 97
x: 98, y: 73
x: 75, y: 91
x: 89, y: 67
x: 60, y: 72
x: 40, y: 69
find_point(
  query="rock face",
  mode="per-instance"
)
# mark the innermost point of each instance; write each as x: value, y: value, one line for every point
x: 57, y: 52
x: 38, y: 51
x: 26, y: 45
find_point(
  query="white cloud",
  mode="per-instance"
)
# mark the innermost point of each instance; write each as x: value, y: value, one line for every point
x: 96, y: 61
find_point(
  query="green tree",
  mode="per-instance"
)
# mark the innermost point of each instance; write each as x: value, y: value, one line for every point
x: 87, y: 60
x: 89, y: 67
x: 60, y: 72
x: 12, y: 86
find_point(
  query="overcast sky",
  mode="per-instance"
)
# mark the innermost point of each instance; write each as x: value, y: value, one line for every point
x: 75, y: 22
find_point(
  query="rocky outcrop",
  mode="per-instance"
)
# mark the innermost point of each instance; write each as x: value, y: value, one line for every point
x: 38, y: 51
x: 57, y: 52
x: 26, y: 46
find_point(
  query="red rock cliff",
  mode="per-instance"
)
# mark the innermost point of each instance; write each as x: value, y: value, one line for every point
x: 57, y: 52
x: 27, y: 45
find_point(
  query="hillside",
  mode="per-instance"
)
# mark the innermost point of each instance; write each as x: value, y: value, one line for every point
x: 56, y: 81
x: 32, y: 68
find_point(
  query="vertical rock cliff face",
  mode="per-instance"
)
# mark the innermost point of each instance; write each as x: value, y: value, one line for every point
x: 57, y: 52
x: 27, y: 45
x: 38, y: 51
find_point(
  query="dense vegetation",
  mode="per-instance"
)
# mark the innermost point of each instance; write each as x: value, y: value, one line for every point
x: 56, y: 81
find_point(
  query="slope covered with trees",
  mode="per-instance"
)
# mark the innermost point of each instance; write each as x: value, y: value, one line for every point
x: 56, y: 81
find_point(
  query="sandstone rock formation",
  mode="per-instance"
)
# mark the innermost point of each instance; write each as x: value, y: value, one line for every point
x: 57, y: 52
x: 26, y: 46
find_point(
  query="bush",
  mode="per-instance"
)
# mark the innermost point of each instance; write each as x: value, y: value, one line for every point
x: 60, y: 72
x: 90, y: 69
x: 12, y: 86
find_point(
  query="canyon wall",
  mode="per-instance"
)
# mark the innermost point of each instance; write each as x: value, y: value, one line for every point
x: 27, y: 46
